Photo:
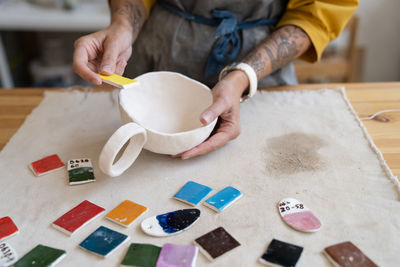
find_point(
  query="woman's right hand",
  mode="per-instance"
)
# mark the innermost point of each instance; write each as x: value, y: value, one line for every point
x: 106, y: 52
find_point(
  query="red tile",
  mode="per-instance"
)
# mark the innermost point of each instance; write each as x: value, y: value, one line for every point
x: 46, y: 165
x: 7, y: 228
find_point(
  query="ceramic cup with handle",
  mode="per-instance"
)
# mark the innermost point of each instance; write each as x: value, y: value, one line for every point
x: 161, y: 114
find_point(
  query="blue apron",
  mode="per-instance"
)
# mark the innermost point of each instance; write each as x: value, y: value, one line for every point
x: 174, y: 42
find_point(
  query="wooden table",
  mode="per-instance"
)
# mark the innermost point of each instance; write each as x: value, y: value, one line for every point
x: 366, y: 98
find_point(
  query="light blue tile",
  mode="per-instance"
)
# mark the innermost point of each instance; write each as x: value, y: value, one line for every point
x: 193, y: 192
x: 224, y: 198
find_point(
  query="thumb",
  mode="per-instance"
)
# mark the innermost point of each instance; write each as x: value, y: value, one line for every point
x: 219, y: 106
x: 110, y: 55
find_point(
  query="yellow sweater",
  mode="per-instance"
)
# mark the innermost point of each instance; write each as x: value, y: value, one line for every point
x: 322, y: 20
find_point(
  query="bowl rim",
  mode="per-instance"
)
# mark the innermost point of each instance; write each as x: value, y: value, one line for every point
x: 122, y: 105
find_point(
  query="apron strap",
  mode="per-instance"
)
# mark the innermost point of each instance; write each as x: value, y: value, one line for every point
x: 228, y: 43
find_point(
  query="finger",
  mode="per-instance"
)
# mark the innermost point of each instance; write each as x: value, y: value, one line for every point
x: 110, y: 56
x: 120, y: 67
x: 80, y: 66
x: 214, y: 142
x: 219, y: 106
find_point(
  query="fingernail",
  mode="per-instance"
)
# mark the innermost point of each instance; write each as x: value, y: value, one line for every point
x: 207, y: 117
x: 106, y: 68
x: 185, y: 157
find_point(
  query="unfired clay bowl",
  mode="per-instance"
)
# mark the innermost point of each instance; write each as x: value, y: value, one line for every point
x: 161, y: 114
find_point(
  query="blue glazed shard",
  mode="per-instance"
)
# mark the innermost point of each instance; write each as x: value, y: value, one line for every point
x: 170, y: 223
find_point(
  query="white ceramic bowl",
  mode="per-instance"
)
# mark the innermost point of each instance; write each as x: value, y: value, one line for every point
x: 161, y: 114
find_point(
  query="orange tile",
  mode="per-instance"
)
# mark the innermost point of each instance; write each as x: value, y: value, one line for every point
x: 126, y: 212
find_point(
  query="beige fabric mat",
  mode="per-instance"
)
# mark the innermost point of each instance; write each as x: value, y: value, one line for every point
x: 303, y: 144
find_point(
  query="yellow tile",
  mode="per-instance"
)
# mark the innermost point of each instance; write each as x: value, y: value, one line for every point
x: 126, y: 212
x: 115, y: 79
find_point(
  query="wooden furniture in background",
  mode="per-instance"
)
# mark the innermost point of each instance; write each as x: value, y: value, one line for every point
x: 366, y: 98
x: 335, y: 65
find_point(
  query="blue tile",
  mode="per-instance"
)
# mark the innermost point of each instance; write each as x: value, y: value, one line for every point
x: 224, y: 198
x: 103, y: 241
x: 193, y: 192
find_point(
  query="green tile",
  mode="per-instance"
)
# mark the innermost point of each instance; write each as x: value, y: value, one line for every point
x: 141, y: 255
x: 41, y: 256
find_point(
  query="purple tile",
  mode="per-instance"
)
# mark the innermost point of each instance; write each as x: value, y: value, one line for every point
x: 177, y: 256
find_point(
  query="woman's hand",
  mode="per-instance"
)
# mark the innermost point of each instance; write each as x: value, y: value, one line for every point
x: 226, y: 106
x: 106, y: 51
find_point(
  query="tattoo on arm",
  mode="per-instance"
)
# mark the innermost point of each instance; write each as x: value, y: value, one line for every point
x: 278, y: 49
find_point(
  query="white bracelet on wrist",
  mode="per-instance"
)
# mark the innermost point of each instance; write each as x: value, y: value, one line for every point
x: 249, y: 71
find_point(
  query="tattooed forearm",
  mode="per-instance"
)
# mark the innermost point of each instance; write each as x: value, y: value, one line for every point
x: 278, y: 49
x: 132, y: 10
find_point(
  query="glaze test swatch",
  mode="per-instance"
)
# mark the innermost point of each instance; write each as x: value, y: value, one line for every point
x: 216, y: 243
x: 298, y: 216
x: 347, y: 254
x: 143, y: 255
x: 192, y: 193
x: 118, y: 81
x: 223, y: 199
x: 77, y: 217
x: 41, y: 256
x: 281, y: 254
x: 126, y: 212
x: 177, y: 256
x: 8, y: 256
x: 7, y: 228
x: 170, y: 223
x: 103, y: 241
x: 80, y: 171
x: 46, y: 165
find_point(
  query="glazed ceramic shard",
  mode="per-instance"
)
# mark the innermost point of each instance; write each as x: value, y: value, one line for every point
x: 8, y: 256
x: 103, y: 241
x: 118, y: 81
x: 346, y: 254
x: 281, y: 254
x: 77, y: 217
x: 41, y: 256
x: 80, y: 171
x: 177, y: 256
x: 7, y: 228
x: 216, y: 243
x: 46, y: 165
x: 170, y: 223
x: 141, y: 255
x: 192, y: 193
x: 298, y: 216
x: 223, y: 199
x: 126, y: 213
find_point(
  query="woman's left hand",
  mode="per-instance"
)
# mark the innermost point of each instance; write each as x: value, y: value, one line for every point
x: 226, y: 106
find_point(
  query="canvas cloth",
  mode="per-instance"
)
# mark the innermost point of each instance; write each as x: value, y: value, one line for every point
x: 303, y: 144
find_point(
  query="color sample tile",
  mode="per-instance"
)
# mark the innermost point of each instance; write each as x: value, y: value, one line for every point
x: 41, y: 256
x: 8, y: 256
x: 46, y: 165
x: 118, y: 81
x: 80, y: 171
x: 346, y: 254
x: 78, y: 217
x: 216, y: 243
x: 223, y: 199
x: 177, y: 256
x: 170, y: 223
x: 103, y: 241
x: 298, y: 216
x: 192, y: 193
x: 141, y: 255
x: 281, y: 254
x: 7, y: 228
x: 126, y: 213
